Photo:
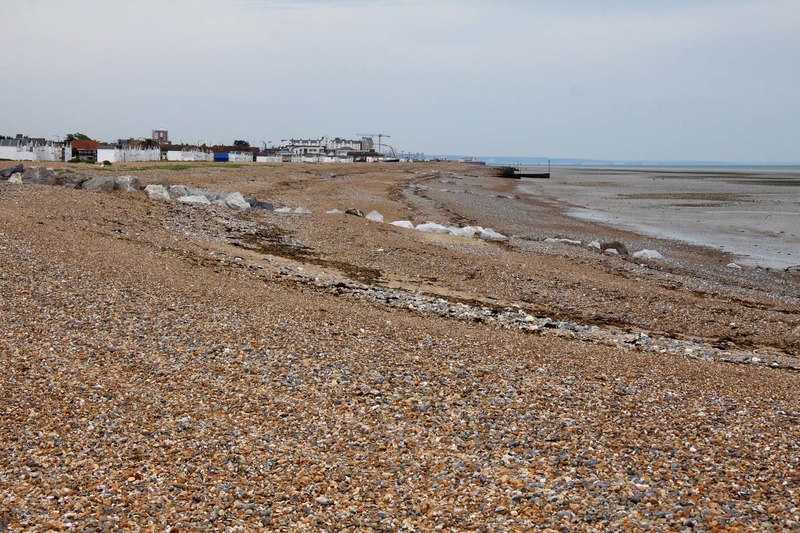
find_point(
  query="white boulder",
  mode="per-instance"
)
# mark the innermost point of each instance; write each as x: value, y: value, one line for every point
x: 375, y: 216
x: 433, y: 227
x: 283, y: 210
x: 733, y: 266
x: 194, y: 200
x: 235, y: 200
x: 407, y: 224
x: 489, y: 234
x: 611, y: 251
x: 595, y: 244
x: 333, y: 212
x: 157, y: 192
x: 302, y: 211
x: 647, y: 254
x: 466, y: 231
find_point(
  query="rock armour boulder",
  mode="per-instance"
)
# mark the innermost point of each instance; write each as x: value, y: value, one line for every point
x: 127, y: 184
x: 157, y: 192
x: 195, y: 199
x: 39, y: 176
x: 99, y: 184
x: 8, y: 172
x: 235, y: 200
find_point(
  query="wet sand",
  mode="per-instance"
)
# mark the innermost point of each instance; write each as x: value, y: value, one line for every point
x: 753, y: 214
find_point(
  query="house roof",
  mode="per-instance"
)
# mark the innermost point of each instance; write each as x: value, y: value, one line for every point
x: 79, y: 144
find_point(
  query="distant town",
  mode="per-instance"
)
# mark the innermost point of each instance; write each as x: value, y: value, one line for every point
x: 77, y: 147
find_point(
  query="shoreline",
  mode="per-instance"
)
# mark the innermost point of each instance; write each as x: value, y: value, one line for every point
x: 753, y: 217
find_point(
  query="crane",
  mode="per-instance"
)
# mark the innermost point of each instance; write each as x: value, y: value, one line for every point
x: 380, y: 136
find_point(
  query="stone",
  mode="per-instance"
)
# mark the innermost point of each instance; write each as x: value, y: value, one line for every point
x: 433, y: 227
x: 284, y: 210
x: 595, y: 245
x: 258, y: 204
x: 647, y: 254
x: 194, y: 199
x: 571, y: 241
x: 333, y: 212
x: 235, y: 200
x: 127, y: 184
x: 302, y: 211
x: 466, y: 231
x: 15, y: 178
x: 733, y: 266
x: 355, y: 212
x: 374, y: 216
x: 6, y: 173
x: 194, y: 191
x: 157, y: 192
x: 176, y: 191
x: 793, y: 269
x: 616, y: 245
x: 70, y: 179
x: 407, y: 224
x: 611, y: 251
x: 99, y: 184
x: 489, y: 234
x: 39, y: 176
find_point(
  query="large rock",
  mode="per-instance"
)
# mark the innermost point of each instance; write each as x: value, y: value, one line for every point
x: 235, y: 200
x: 176, y: 191
x: 194, y: 199
x: 489, y: 234
x: 616, y: 245
x: 7, y: 172
x: 302, y: 211
x: 157, y: 192
x: 258, y: 204
x: 433, y: 227
x: 194, y: 191
x: 16, y: 178
x: 99, y: 184
x: 355, y: 212
x: 374, y: 216
x: 466, y: 231
x: 407, y: 224
x: 70, y: 179
x: 127, y: 184
x: 647, y: 254
x: 39, y: 176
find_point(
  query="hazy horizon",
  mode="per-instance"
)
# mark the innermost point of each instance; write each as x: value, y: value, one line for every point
x: 709, y: 80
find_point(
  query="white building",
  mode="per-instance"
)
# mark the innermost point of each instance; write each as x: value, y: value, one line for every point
x: 26, y: 149
x: 127, y: 154
x: 324, y: 146
x: 240, y: 157
x: 190, y: 154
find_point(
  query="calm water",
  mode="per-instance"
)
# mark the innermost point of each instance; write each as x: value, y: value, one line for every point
x: 754, y: 213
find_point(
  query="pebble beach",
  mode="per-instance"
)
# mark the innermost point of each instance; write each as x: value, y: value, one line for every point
x: 168, y: 366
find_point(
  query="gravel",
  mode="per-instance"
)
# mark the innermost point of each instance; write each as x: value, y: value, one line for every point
x: 165, y: 366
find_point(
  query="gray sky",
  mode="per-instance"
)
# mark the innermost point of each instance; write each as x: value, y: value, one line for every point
x: 689, y: 80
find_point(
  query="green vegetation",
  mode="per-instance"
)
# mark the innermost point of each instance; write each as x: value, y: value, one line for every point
x: 77, y: 137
